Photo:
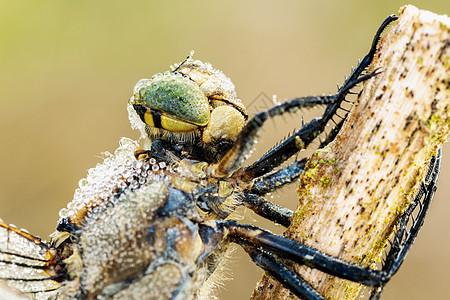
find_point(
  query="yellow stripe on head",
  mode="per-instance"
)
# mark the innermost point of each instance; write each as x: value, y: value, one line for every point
x: 148, y: 118
x: 170, y: 124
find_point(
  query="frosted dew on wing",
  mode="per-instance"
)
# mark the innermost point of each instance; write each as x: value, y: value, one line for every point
x: 18, y: 269
x: 13, y: 242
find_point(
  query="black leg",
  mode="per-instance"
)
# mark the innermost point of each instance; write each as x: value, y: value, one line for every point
x: 245, y: 140
x: 403, y: 238
x: 268, y: 183
x: 263, y: 184
x: 266, y: 248
x: 303, y: 137
x: 160, y: 151
x: 277, y: 179
x: 299, y: 253
x: 268, y: 210
x: 367, y: 60
x: 297, y: 141
x: 284, y: 275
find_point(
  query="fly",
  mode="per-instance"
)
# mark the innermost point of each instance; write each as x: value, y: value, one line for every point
x: 153, y: 221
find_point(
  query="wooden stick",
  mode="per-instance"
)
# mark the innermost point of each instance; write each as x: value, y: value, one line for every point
x: 353, y: 191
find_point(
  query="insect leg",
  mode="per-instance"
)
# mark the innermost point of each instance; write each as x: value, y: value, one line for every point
x: 299, y: 140
x: 268, y: 183
x: 271, y: 247
x: 275, y: 180
x: 291, y: 145
x: 280, y: 272
x: 158, y: 150
x: 268, y: 210
x: 367, y: 60
x: 404, y: 238
x: 299, y: 253
x: 307, y: 133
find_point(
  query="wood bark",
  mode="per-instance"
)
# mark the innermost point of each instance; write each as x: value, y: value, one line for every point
x: 353, y: 191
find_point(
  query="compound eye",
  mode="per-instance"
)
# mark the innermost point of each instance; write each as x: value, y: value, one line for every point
x: 156, y: 119
x: 171, y: 102
x: 175, y: 125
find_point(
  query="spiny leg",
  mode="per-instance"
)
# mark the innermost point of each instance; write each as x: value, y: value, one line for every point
x: 268, y: 210
x: 301, y: 254
x: 270, y: 263
x: 403, y: 238
x: 293, y: 144
x: 266, y: 248
x: 367, y: 60
x: 275, y: 180
x: 270, y: 182
x: 278, y: 179
x: 297, y: 141
x: 246, y: 138
x: 263, y: 184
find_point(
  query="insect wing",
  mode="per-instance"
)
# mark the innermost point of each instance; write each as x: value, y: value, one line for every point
x: 24, y: 260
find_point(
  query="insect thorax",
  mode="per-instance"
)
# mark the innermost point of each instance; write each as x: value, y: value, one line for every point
x: 133, y: 227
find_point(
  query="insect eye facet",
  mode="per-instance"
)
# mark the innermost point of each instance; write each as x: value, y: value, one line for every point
x: 179, y: 103
x: 176, y: 125
x: 154, y: 118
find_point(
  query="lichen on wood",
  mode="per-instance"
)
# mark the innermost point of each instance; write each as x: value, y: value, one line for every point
x: 353, y: 191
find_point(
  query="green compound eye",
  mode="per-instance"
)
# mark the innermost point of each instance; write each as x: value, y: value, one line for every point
x: 175, y: 98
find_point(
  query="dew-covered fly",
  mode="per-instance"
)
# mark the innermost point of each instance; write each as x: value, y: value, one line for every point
x: 152, y: 221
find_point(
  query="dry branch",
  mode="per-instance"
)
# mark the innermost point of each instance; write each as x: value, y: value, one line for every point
x: 352, y: 192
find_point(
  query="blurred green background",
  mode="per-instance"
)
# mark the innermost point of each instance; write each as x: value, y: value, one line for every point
x: 69, y: 67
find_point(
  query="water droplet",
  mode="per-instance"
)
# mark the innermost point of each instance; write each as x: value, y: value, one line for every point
x: 82, y: 182
x: 63, y: 213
